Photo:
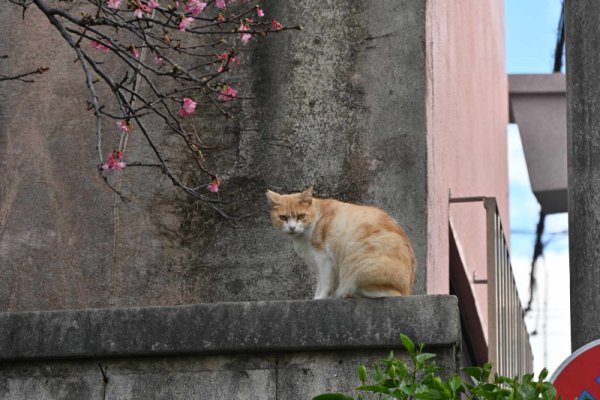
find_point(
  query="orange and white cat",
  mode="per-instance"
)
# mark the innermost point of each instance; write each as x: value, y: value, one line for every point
x: 355, y: 251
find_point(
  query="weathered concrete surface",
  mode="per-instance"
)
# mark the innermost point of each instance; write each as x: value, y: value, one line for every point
x: 64, y: 240
x: 229, y: 328
x: 583, y: 160
x: 340, y: 105
x: 268, y: 376
x: 259, y: 350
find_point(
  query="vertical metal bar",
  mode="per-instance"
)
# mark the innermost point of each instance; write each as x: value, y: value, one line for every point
x: 509, y: 310
x: 514, y: 344
x: 490, y: 206
x: 502, y: 289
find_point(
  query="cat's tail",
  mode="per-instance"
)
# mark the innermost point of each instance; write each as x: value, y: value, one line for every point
x: 375, y: 292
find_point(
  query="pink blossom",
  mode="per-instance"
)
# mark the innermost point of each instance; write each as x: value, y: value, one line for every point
x: 224, y: 57
x: 114, y: 160
x: 227, y: 93
x: 185, y: 22
x: 177, y: 5
x: 99, y: 46
x: 142, y: 8
x: 158, y: 59
x: 135, y: 52
x: 188, y: 107
x: 214, y: 185
x: 260, y: 12
x: 195, y: 7
x: 220, y: 3
x: 125, y: 126
x: 245, y: 36
x: 153, y: 4
x: 114, y: 4
x: 276, y: 24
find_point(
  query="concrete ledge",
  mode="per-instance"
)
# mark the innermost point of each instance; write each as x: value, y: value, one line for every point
x: 221, y: 328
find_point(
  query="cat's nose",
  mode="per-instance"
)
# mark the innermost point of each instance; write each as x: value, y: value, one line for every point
x: 292, y: 228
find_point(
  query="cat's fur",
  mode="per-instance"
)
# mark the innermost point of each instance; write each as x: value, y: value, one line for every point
x: 355, y: 251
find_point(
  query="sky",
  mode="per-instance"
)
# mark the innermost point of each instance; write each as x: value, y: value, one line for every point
x: 531, y: 27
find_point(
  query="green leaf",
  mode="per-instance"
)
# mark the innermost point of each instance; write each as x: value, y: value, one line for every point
x: 543, y: 374
x: 408, y: 344
x: 333, y: 396
x: 527, y: 391
x: 489, y: 387
x: 391, y: 370
x: 473, y: 372
x: 549, y: 392
x: 503, y: 380
x: 424, y: 357
x: 455, y: 383
x: 408, y: 389
x: 421, y: 358
x: 429, y: 394
x: 378, y: 375
x: 362, y: 373
x: 390, y: 383
x: 527, y: 378
x: 397, y: 394
x: 487, y: 369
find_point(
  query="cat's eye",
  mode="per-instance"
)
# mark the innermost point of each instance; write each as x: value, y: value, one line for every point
x: 283, y: 217
x: 301, y: 216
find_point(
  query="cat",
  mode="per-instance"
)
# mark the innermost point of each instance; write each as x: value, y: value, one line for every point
x: 355, y: 251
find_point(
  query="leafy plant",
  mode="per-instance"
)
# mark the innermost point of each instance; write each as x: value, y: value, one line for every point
x: 392, y: 378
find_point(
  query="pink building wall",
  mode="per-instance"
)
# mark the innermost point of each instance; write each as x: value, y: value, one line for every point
x: 467, y: 112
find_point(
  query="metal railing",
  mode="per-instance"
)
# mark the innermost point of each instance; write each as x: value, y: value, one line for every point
x: 509, y: 349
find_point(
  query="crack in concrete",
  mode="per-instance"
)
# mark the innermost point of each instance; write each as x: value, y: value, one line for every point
x: 104, y: 380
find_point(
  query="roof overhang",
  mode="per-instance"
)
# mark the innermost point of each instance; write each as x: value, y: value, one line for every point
x: 538, y: 105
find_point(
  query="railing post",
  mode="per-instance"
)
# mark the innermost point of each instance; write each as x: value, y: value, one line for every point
x: 492, y: 273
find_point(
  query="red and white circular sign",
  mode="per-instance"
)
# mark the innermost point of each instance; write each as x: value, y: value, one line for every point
x: 578, y: 376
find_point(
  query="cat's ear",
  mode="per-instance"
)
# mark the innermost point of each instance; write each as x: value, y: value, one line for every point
x: 274, y: 198
x: 306, y: 196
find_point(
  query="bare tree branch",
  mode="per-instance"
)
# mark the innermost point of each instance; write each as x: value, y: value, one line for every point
x: 129, y: 33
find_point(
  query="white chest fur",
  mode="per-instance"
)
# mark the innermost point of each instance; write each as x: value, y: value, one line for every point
x: 313, y: 257
x: 321, y: 261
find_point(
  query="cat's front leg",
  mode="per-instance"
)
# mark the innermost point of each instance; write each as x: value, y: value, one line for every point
x: 325, y: 279
x: 319, y: 292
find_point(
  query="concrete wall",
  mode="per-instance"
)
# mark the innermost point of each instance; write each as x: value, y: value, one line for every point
x: 467, y: 111
x: 258, y: 350
x: 340, y: 105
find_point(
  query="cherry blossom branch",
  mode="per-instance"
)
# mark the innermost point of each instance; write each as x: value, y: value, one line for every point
x: 111, y: 39
x: 21, y: 76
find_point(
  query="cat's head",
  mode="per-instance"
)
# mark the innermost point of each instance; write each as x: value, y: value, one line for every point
x: 292, y: 213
